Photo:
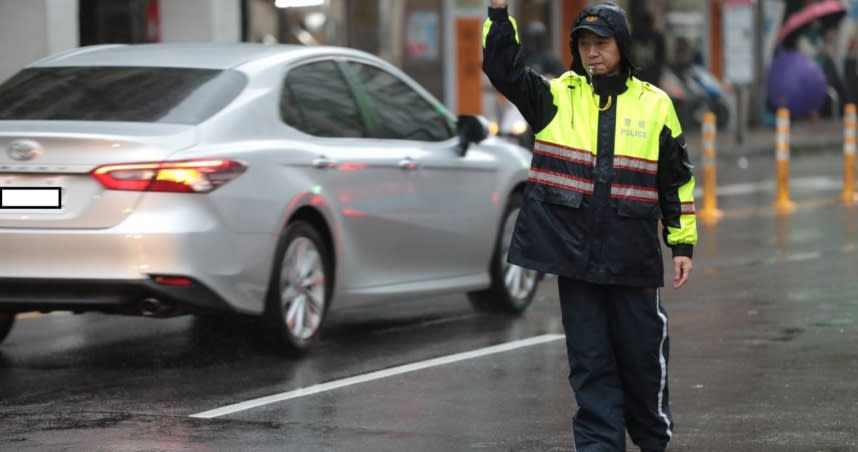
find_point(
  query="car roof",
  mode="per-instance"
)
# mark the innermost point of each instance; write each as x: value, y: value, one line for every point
x: 205, y: 55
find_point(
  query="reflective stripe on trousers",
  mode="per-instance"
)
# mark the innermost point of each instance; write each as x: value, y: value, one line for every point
x: 618, y: 350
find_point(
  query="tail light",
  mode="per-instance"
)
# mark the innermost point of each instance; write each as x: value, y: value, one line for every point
x: 191, y: 176
x: 173, y: 281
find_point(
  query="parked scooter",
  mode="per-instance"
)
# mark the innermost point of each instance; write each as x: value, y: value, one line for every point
x: 695, y: 91
x: 717, y: 94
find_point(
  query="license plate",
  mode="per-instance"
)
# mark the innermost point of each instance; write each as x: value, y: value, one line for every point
x: 30, y: 197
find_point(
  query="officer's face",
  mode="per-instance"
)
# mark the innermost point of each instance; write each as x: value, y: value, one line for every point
x: 600, y: 53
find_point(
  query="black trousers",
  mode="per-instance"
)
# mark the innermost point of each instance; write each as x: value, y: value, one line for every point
x: 617, y: 344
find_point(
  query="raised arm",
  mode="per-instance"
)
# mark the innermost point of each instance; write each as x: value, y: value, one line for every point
x: 526, y: 89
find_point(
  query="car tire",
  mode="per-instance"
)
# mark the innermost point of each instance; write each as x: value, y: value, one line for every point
x: 299, y: 291
x: 512, y: 287
x: 7, y: 319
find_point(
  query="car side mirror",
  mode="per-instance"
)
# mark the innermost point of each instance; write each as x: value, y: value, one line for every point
x: 471, y: 129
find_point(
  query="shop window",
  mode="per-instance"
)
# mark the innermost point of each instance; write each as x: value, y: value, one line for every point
x: 324, y: 24
x: 119, y: 21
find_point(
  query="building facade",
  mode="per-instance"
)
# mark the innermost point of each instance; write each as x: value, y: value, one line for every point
x: 437, y: 42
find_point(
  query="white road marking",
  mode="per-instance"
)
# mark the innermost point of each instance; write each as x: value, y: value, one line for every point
x: 357, y: 379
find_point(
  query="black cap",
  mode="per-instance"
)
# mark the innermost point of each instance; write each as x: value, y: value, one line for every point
x: 595, y: 24
x: 605, y: 19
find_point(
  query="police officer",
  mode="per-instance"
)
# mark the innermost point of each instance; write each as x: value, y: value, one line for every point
x: 609, y: 162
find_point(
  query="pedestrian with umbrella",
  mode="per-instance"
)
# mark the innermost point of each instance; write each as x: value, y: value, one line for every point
x: 812, y: 30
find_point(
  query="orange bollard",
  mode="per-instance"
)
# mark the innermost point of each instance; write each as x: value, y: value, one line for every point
x: 783, y: 205
x: 709, y: 213
x: 849, y: 125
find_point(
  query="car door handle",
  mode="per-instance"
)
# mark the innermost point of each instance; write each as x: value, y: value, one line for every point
x: 408, y: 163
x: 323, y: 162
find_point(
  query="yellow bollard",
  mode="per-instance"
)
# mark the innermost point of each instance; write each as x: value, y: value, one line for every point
x: 710, y: 213
x: 849, y: 125
x: 783, y: 205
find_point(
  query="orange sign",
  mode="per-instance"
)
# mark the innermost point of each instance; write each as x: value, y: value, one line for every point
x: 469, y: 57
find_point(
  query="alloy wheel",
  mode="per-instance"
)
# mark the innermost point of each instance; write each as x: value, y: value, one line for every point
x: 302, y: 288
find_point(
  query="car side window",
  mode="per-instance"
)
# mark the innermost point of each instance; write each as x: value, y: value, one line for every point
x: 401, y: 111
x: 316, y: 100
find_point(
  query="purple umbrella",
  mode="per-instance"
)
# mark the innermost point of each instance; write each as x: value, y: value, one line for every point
x: 795, y: 82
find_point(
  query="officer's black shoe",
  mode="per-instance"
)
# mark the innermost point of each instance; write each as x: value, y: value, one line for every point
x: 652, y: 450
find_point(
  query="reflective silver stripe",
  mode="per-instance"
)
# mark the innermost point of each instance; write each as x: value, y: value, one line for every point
x: 635, y: 164
x: 561, y: 180
x: 662, y: 361
x: 688, y: 208
x: 565, y: 153
x: 638, y: 193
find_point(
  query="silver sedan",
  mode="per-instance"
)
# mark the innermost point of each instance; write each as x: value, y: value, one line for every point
x: 270, y: 180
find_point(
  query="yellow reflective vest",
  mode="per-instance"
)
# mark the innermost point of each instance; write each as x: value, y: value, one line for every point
x: 642, y: 113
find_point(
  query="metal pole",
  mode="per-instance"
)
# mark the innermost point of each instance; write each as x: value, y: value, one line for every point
x: 759, y: 98
x: 741, y: 121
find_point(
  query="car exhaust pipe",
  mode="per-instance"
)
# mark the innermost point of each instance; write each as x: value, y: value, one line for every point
x: 150, y: 307
x: 153, y: 307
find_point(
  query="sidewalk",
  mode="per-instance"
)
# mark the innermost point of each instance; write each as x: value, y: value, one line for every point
x: 805, y: 135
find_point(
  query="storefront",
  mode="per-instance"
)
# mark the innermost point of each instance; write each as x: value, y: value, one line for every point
x: 119, y: 21
x: 437, y: 42
x: 406, y: 33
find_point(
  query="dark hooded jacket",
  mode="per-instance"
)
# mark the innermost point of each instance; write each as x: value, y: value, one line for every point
x: 594, y: 241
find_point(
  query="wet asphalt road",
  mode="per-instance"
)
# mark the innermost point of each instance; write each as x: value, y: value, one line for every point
x: 763, y: 357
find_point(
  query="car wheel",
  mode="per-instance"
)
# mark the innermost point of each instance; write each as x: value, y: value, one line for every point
x: 6, y: 321
x: 299, y: 291
x: 512, y: 287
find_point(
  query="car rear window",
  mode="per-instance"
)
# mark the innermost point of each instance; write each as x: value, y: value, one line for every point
x: 110, y: 93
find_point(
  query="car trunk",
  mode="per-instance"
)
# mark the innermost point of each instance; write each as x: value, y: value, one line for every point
x: 66, y: 153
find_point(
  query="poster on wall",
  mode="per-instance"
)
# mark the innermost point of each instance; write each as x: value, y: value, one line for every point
x: 421, y: 41
x: 738, y: 41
